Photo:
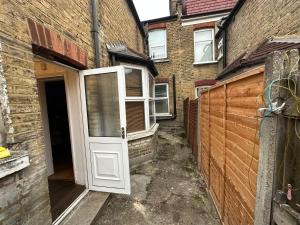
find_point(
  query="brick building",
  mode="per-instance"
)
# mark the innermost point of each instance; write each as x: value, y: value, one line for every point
x: 61, y: 120
x: 252, y: 24
x: 183, y: 45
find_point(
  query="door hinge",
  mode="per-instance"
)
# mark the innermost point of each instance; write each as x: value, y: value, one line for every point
x: 123, y: 132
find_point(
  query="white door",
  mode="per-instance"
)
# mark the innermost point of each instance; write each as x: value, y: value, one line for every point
x: 104, y: 120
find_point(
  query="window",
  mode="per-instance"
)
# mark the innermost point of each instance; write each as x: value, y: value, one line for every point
x: 151, y: 100
x: 139, y: 96
x: 161, y: 99
x: 199, y: 89
x: 220, y: 49
x: 158, y: 44
x: 204, y: 46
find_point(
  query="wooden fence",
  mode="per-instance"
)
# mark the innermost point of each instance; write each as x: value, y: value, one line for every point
x: 186, y: 107
x: 190, y: 123
x: 228, y: 126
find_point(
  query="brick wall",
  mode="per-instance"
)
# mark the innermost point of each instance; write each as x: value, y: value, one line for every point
x: 180, y: 51
x: 24, y: 197
x: 258, y: 20
x: 141, y: 150
x: 118, y: 24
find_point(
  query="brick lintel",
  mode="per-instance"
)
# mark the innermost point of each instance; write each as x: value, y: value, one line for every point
x: 157, y: 26
x: 161, y: 80
x: 49, y: 42
x: 204, y: 25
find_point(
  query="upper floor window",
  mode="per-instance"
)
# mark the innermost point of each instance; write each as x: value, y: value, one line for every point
x: 204, y: 46
x: 158, y: 44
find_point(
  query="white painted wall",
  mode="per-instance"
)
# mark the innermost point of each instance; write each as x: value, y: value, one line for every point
x: 43, y: 104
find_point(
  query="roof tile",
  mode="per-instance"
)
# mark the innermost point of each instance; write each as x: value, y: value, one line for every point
x: 207, y: 6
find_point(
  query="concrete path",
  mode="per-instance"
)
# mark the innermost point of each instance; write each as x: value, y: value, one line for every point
x: 165, y: 191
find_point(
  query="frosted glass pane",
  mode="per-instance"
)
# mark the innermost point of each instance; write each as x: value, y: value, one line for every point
x: 203, y: 51
x: 157, y: 37
x: 161, y: 106
x: 158, y: 52
x: 102, y: 102
x: 151, y: 85
x: 133, y: 79
x: 205, y: 35
x: 151, y: 112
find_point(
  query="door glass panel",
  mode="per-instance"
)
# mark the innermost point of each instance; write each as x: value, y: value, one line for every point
x: 133, y: 79
x: 102, y: 102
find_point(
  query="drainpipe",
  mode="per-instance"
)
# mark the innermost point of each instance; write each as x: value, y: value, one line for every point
x: 95, y: 32
x: 174, y: 97
x: 225, y: 48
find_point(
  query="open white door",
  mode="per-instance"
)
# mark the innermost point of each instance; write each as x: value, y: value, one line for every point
x: 104, y: 119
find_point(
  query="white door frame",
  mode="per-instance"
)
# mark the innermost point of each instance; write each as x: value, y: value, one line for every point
x: 73, y: 99
x: 107, y: 140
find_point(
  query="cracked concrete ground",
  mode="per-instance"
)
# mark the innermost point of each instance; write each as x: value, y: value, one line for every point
x: 165, y: 191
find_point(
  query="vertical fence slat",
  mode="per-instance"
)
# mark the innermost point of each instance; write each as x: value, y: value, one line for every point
x: 209, y: 140
x: 225, y: 156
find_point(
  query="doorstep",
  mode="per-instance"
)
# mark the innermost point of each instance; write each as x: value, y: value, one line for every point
x: 87, y: 210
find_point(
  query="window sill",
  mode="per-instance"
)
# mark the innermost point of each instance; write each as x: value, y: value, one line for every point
x: 204, y: 63
x: 161, y: 60
x: 14, y: 163
x: 164, y: 115
x: 142, y: 134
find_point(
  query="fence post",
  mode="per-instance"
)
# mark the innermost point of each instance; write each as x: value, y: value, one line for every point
x: 271, y: 133
x: 209, y: 141
x: 198, y: 127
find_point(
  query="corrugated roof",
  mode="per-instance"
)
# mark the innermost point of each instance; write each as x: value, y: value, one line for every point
x: 122, y: 52
x: 259, y: 54
x: 206, y: 6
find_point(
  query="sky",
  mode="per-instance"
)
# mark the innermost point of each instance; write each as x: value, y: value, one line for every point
x: 151, y: 9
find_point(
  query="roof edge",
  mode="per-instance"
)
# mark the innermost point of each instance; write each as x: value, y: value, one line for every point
x: 206, y: 13
x: 132, y: 59
x: 161, y: 19
x: 231, y: 15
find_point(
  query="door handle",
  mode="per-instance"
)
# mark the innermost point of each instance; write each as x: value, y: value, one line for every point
x: 123, y: 132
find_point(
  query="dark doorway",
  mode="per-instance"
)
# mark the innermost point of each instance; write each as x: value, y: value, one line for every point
x: 62, y: 187
x: 59, y: 130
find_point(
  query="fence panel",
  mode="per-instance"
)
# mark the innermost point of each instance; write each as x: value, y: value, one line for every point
x: 204, y: 136
x: 192, y: 134
x: 228, y: 149
x: 217, y: 145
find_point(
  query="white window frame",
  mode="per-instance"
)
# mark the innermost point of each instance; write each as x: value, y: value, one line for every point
x: 163, y: 98
x: 213, y: 47
x: 220, y: 49
x: 201, y: 88
x: 144, y: 98
x: 165, y: 44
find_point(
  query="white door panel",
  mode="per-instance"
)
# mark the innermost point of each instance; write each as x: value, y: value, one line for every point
x: 103, y: 104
